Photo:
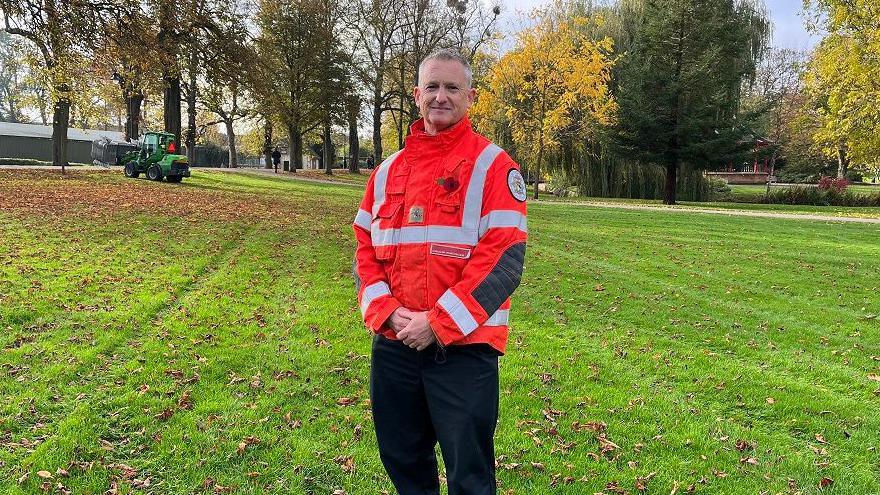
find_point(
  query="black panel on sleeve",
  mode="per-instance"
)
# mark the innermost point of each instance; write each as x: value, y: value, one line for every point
x: 502, y: 280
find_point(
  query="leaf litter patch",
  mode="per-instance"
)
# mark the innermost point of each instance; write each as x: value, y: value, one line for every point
x: 45, y: 192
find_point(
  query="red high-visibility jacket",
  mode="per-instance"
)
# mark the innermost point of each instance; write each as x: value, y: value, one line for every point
x: 442, y: 228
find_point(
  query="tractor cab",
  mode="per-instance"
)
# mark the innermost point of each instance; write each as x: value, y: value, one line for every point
x: 158, y: 158
x: 154, y: 141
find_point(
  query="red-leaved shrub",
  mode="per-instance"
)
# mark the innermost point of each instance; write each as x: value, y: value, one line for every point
x: 827, y: 183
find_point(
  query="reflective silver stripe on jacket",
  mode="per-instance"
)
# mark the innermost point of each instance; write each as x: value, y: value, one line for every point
x: 381, y: 180
x: 502, y: 218
x: 371, y: 292
x: 448, y: 234
x: 458, y: 312
x: 422, y: 235
x: 363, y: 219
x: 473, y: 202
x: 500, y: 317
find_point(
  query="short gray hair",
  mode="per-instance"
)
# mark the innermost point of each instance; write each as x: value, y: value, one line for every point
x: 446, y: 55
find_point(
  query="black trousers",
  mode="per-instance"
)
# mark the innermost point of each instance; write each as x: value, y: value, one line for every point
x: 446, y: 395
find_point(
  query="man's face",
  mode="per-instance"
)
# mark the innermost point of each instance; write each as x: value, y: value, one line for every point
x: 443, y: 95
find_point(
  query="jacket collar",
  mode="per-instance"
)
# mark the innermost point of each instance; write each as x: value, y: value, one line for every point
x: 418, y: 139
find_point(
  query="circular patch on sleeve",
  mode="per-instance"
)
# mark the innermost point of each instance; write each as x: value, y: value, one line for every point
x: 516, y: 184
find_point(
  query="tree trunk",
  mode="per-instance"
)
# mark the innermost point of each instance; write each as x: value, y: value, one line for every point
x: 537, y: 175
x: 400, y: 126
x: 230, y: 134
x: 671, y: 181
x: 172, y: 107
x: 377, y: 119
x: 295, y: 146
x: 298, y: 157
x: 770, y: 175
x: 267, y: 143
x: 41, y: 103
x: 354, y: 145
x: 191, y: 94
x: 60, y: 121
x: 329, y: 154
x: 842, y: 161
x: 133, y: 116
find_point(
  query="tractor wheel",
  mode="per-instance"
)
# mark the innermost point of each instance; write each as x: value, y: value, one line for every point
x: 174, y: 178
x: 130, y: 171
x: 154, y: 172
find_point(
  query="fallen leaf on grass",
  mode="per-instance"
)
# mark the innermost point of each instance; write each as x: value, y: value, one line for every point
x: 874, y: 377
x: 614, y: 487
x: 247, y: 441
x: 185, y: 401
x: 346, y: 462
x: 743, y: 445
x: 594, y: 426
x: 346, y: 401
x: 606, y: 445
x: 44, y: 474
x: 825, y: 482
x: 642, y: 481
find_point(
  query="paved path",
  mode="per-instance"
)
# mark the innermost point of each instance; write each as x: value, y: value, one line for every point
x: 585, y: 204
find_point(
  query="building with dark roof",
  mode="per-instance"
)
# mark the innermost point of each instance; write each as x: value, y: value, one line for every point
x: 35, y: 142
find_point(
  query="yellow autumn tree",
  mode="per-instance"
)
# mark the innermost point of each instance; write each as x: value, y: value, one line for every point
x: 552, y: 84
x: 842, y: 82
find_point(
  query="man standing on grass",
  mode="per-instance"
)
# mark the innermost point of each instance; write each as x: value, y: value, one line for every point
x: 441, y: 238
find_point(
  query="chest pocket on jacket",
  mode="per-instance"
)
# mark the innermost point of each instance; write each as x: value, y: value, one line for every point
x: 385, y: 228
x: 447, y: 198
x: 447, y: 208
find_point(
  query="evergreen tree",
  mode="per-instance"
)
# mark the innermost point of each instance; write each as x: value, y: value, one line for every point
x: 679, y: 87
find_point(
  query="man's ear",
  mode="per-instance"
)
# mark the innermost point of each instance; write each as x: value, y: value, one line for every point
x: 416, y: 92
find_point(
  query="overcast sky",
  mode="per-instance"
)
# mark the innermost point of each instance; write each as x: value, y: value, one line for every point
x: 788, y: 25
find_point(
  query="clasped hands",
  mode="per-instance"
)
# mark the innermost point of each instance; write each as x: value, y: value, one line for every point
x: 412, y: 328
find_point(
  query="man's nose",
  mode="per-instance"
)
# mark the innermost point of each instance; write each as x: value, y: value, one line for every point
x: 442, y: 95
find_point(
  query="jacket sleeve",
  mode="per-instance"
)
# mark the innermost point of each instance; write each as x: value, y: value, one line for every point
x: 373, y: 291
x: 494, y: 270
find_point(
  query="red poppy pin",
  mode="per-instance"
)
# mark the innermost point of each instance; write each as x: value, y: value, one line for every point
x: 449, y: 183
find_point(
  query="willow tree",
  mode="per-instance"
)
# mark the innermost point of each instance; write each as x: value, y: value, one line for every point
x: 680, y: 85
x: 553, y: 83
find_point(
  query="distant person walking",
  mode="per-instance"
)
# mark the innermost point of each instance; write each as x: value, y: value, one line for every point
x: 370, y: 161
x: 276, y: 158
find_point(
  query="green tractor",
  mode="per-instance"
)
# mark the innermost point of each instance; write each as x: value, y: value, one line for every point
x: 154, y: 159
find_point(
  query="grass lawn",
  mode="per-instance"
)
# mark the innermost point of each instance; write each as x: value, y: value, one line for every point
x: 204, y: 337
x: 341, y: 176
